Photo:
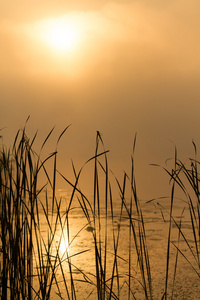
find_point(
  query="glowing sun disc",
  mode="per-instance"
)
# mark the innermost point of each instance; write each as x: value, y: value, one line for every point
x: 61, y: 34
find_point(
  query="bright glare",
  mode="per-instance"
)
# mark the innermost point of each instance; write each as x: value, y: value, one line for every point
x: 63, y: 246
x: 62, y: 34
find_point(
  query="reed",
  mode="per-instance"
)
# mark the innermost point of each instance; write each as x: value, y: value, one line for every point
x: 184, y: 178
x: 32, y: 265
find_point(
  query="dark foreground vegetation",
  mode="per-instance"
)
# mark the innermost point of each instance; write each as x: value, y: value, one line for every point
x: 31, y: 264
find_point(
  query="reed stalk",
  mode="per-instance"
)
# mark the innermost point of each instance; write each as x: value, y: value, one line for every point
x: 31, y: 263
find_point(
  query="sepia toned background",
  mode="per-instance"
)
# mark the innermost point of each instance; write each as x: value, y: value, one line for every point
x: 135, y: 67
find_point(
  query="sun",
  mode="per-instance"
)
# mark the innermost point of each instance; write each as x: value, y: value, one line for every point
x: 61, y: 34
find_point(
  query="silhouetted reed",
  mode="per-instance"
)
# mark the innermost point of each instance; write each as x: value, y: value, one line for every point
x: 31, y: 263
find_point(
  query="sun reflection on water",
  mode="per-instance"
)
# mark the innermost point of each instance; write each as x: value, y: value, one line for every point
x: 64, y: 246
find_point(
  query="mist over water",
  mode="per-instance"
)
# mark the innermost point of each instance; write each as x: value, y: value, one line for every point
x: 113, y: 71
x: 136, y: 70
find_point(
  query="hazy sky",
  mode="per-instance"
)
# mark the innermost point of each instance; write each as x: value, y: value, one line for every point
x: 119, y: 67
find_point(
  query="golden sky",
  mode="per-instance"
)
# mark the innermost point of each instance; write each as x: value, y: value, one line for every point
x: 119, y: 67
